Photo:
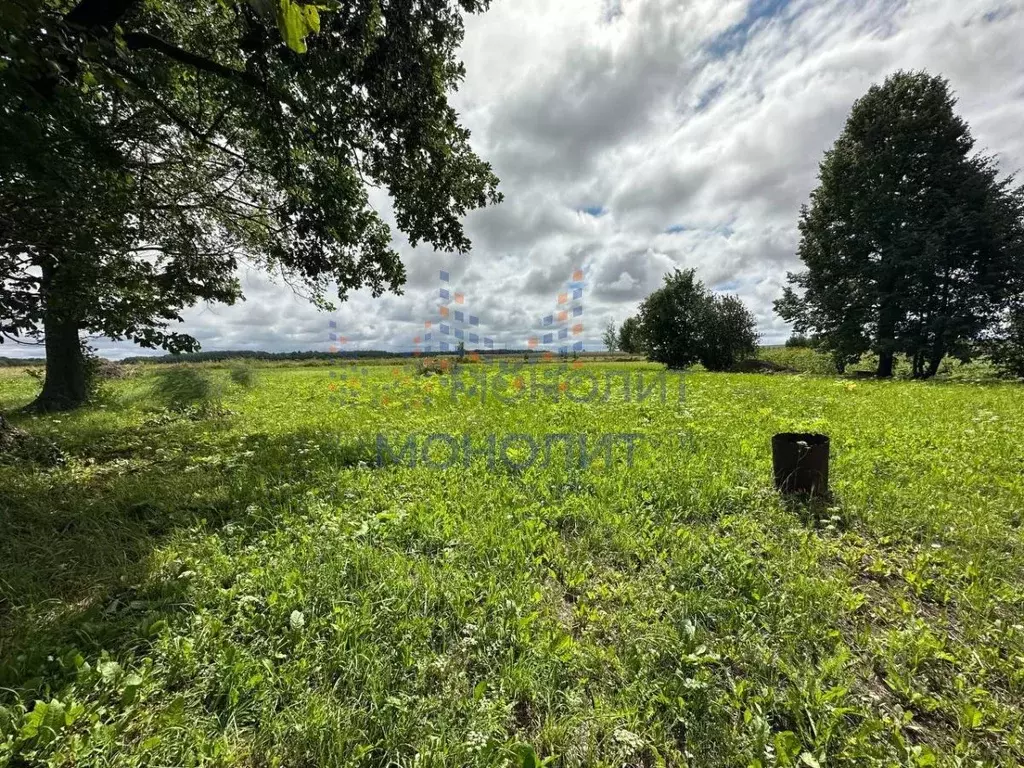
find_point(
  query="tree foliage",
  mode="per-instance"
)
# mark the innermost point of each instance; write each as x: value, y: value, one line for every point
x: 729, y: 334
x: 1006, y: 345
x: 610, y: 337
x: 629, y: 340
x: 149, y: 146
x: 912, y: 244
x: 683, y: 323
x: 671, y: 320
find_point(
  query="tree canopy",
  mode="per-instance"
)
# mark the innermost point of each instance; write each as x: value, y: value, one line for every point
x: 912, y: 244
x: 148, y: 146
x: 1005, y: 345
x: 682, y: 323
x: 729, y: 333
x: 629, y: 340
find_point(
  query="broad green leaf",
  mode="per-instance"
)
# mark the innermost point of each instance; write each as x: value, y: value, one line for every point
x: 297, y: 21
x: 132, y: 683
x: 109, y: 670
x: 528, y: 757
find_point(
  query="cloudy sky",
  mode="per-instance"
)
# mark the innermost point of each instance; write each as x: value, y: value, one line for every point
x: 635, y: 136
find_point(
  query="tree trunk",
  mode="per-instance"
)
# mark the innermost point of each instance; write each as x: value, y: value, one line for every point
x: 65, y: 386
x: 918, y: 371
x: 938, y: 352
x: 885, y: 361
x: 886, y: 338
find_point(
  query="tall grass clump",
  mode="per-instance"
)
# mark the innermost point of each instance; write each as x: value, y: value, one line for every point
x: 242, y: 374
x: 183, y: 388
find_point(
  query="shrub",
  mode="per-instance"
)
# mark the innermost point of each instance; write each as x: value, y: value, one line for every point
x: 754, y: 365
x: 99, y: 370
x: 801, y: 359
x: 10, y: 435
x: 17, y: 446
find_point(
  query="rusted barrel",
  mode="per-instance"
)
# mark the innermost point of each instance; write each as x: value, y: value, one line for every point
x: 800, y: 461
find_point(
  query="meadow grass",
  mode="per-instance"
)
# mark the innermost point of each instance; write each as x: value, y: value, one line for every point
x: 251, y: 585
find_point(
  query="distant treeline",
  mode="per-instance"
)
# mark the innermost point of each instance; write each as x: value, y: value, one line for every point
x: 361, y: 354
x: 239, y: 354
x: 219, y: 356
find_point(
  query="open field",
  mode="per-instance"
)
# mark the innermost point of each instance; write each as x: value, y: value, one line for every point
x: 260, y: 584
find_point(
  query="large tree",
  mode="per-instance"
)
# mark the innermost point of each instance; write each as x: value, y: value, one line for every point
x: 912, y: 243
x: 148, y: 145
x: 682, y: 323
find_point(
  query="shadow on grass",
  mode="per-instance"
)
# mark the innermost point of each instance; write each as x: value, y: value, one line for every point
x: 75, y: 540
x: 818, y: 511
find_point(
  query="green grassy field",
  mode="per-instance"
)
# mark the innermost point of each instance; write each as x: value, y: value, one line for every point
x: 249, y: 585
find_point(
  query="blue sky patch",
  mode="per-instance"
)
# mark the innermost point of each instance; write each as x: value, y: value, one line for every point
x: 734, y: 38
x: 998, y: 14
x: 594, y: 210
x: 709, y: 96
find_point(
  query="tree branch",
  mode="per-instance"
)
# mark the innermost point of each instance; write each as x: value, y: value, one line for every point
x: 146, y: 93
x: 145, y: 41
x: 98, y: 13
